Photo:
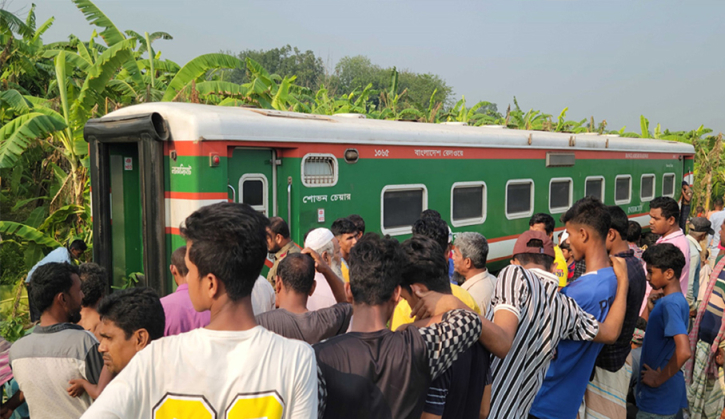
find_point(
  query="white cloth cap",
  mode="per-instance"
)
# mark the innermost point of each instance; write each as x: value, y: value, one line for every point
x: 564, y: 236
x: 318, y: 238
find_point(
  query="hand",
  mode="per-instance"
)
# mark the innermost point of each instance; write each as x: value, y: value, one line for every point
x: 653, y: 296
x: 651, y: 377
x: 5, y: 411
x: 433, y: 303
x: 686, y: 193
x: 720, y: 357
x: 320, y: 265
x: 76, y: 388
x: 620, y: 269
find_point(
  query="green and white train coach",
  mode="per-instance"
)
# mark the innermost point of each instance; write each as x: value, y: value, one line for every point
x: 154, y: 164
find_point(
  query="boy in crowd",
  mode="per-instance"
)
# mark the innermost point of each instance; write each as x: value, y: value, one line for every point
x: 130, y: 320
x: 279, y: 243
x: 346, y: 233
x: 294, y: 284
x: 359, y: 223
x: 545, y: 223
x: 94, y: 283
x: 704, y: 397
x: 179, y: 312
x: 634, y: 236
x: 661, y: 391
x: 530, y: 317
x: 372, y: 371
x: 606, y: 393
x: 232, y: 364
x: 665, y: 220
x: 458, y: 392
x: 436, y: 229
x: 587, y: 223
x: 58, y: 349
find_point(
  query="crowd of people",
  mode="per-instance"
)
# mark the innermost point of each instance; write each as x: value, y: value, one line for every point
x: 605, y: 322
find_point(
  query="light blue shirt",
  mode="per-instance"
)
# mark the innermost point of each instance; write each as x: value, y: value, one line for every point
x: 59, y: 255
x: 716, y: 220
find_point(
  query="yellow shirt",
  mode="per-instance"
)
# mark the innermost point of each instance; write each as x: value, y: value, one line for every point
x: 345, y: 272
x: 401, y: 315
x: 560, y: 268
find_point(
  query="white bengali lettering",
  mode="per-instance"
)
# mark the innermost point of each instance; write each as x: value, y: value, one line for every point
x: 181, y: 170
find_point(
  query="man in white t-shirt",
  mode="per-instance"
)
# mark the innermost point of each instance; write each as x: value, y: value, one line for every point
x: 231, y: 366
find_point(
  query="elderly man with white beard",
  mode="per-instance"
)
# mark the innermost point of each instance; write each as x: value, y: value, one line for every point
x: 324, y: 244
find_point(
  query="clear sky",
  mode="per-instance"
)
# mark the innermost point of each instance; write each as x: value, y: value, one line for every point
x: 613, y: 60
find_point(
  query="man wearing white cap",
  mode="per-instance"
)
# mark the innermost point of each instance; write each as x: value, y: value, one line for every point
x: 324, y: 243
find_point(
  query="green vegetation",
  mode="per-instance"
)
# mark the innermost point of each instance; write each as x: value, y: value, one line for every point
x: 49, y: 91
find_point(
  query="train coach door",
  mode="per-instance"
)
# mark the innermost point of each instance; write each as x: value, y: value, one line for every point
x: 251, y: 178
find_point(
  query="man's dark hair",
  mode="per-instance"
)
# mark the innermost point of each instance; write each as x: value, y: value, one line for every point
x: 589, y: 211
x: 134, y: 309
x: 375, y: 267
x: 228, y: 240
x: 358, y: 221
x: 78, y: 245
x: 279, y: 226
x: 619, y: 221
x: 718, y: 202
x: 177, y: 259
x: 48, y: 280
x: 94, y: 283
x: 545, y: 219
x: 634, y: 232
x: 535, y: 258
x: 665, y: 256
x: 297, y: 272
x: 667, y: 206
x: 430, y: 213
x: 425, y: 265
x: 649, y: 238
x: 343, y: 226
x: 433, y: 228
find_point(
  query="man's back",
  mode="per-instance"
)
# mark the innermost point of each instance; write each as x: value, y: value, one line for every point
x: 45, y: 361
x: 568, y: 375
x: 545, y: 317
x: 716, y: 220
x: 60, y: 254
x: 206, y: 371
x: 312, y: 326
x: 180, y: 314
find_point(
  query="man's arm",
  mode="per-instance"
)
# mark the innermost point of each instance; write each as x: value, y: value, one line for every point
x: 94, y: 365
x: 611, y: 328
x: 336, y: 284
x: 7, y: 408
x: 457, y: 331
x: 655, y: 378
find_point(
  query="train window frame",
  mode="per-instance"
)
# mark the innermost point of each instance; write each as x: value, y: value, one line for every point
x: 265, y: 191
x: 654, y: 187
x: 629, y: 196
x: 484, y: 204
x: 518, y: 215
x: 399, y: 231
x: 561, y: 210
x: 324, y: 183
x: 604, y: 186
x: 674, y: 186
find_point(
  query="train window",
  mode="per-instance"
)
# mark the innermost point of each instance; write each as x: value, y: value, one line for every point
x: 594, y: 186
x: 253, y: 191
x: 401, y: 206
x: 468, y: 203
x: 560, y: 194
x: 519, y: 198
x: 623, y: 189
x: 668, y: 185
x: 319, y: 170
x: 647, y: 188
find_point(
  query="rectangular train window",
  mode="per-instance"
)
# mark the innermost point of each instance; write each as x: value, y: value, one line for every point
x: 319, y: 170
x: 468, y: 203
x: 594, y: 186
x: 401, y: 206
x: 253, y: 190
x: 519, y: 198
x: 647, y: 188
x: 560, y: 194
x: 623, y: 189
x: 668, y: 185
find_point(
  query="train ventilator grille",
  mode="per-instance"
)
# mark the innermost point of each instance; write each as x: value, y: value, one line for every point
x: 319, y: 170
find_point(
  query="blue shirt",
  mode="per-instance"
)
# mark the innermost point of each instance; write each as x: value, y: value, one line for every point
x: 58, y: 255
x: 567, y: 377
x: 668, y: 319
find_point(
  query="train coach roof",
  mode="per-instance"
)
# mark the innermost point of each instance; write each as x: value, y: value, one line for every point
x: 192, y: 122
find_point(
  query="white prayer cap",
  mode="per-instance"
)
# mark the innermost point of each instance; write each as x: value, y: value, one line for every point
x: 318, y: 238
x: 564, y: 236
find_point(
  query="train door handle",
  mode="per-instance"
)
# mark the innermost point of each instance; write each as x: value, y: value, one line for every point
x: 234, y: 193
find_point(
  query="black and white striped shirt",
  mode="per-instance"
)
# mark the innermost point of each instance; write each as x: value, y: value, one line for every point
x: 545, y: 317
